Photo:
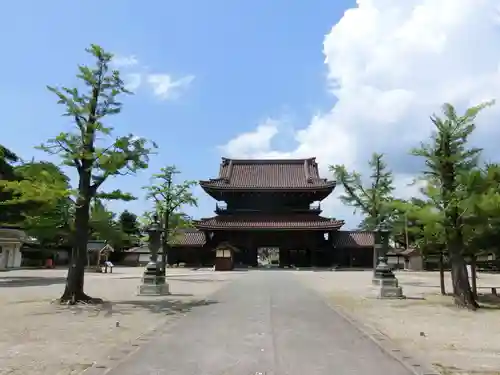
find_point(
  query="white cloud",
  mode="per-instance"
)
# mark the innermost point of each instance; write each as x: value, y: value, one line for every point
x: 391, y: 64
x: 165, y: 87
x: 253, y: 144
x: 124, y: 61
x: 162, y: 84
x: 132, y: 81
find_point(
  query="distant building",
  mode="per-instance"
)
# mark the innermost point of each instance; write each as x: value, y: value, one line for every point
x: 271, y: 206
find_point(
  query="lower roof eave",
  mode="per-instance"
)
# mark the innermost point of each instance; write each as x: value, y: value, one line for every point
x: 203, y: 228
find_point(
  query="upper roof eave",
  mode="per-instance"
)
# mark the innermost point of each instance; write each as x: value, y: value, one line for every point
x: 211, y: 185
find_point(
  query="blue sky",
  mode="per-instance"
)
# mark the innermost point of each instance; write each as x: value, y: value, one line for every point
x: 251, y: 60
x: 338, y: 80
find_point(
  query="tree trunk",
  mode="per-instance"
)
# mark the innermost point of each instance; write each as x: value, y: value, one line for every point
x: 461, y: 288
x: 442, y: 285
x: 73, y: 292
x: 473, y: 275
x: 164, y: 253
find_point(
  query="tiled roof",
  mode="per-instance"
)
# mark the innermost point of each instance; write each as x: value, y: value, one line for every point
x: 269, y: 174
x: 188, y: 237
x: 404, y: 252
x: 284, y: 222
x: 138, y: 250
x: 353, y: 239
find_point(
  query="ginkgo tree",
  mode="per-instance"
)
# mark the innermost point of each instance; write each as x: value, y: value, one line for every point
x: 169, y: 197
x: 84, y: 148
x: 450, y: 162
x: 372, y: 197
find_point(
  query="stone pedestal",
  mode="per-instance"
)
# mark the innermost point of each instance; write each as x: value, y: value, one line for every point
x: 387, y: 288
x: 152, y: 285
x: 153, y: 282
x: 385, y: 282
x: 154, y: 289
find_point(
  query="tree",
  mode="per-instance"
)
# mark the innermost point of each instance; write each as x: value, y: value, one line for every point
x: 50, y: 220
x: 103, y: 225
x: 130, y: 227
x: 423, y: 223
x: 169, y: 197
x: 373, y: 200
x: 448, y: 159
x: 177, y: 222
x: 95, y: 163
x: 7, y: 158
x: 32, y: 189
x: 7, y: 174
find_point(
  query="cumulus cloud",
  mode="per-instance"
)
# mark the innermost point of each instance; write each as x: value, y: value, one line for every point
x: 391, y: 64
x: 165, y: 87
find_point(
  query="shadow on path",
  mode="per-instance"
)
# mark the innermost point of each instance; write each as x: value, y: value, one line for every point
x: 168, y: 305
x: 26, y: 281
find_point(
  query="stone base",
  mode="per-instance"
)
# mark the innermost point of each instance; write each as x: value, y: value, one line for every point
x: 153, y: 290
x: 389, y: 292
x: 385, y: 282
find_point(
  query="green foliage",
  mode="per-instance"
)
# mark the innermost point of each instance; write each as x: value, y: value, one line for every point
x: 104, y: 226
x: 39, y: 194
x: 449, y: 164
x: 50, y: 219
x: 455, y: 186
x: 422, y: 221
x: 7, y: 166
x: 39, y: 182
x: 90, y: 148
x: 481, y: 209
x: 177, y: 221
x: 372, y: 200
x: 7, y: 159
x: 79, y: 148
x: 169, y: 196
x: 129, y: 225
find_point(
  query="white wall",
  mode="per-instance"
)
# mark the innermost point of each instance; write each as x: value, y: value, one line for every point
x: 11, y: 255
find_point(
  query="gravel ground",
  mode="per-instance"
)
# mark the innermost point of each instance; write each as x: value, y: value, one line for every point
x: 44, y: 338
x: 426, y: 324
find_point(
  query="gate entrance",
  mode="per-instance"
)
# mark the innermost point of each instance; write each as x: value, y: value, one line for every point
x: 268, y: 256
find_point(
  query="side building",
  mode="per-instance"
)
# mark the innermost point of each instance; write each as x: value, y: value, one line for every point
x: 269, y: 210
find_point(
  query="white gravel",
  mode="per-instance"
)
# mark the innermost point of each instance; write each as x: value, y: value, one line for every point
x: 426, y: 324
x: 44, y: 338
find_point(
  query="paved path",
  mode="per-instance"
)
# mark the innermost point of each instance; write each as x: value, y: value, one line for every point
x: 265, y: 322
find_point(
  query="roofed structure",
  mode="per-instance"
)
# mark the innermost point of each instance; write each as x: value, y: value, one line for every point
x: 352, y: 239
x: 268, y: 174
x: 190, y: 237
x: 269, y: 222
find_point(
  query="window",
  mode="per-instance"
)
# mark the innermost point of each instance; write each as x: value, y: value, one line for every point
x: 223, y: 253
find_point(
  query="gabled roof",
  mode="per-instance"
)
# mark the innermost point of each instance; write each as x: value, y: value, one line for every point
x: 269, y: 222
x: 270, y: 174
x: 354, y: 239
x: 191, y: 237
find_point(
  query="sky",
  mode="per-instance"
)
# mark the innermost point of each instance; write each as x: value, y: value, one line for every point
x: 337, y: 80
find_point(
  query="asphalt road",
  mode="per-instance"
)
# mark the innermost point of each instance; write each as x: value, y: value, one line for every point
x: 265, y: 322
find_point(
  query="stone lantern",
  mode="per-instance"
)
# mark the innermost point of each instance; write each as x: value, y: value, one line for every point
x: 153, y: 281
x: 384, y: 279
